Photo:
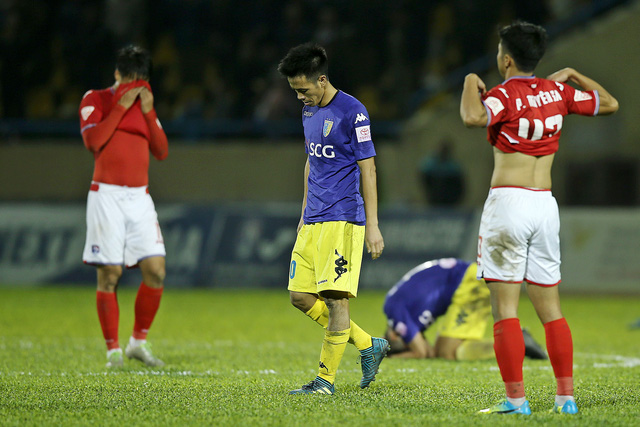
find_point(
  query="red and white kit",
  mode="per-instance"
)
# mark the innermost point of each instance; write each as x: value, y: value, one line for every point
x: 122, y: 224
x: 525, y: 114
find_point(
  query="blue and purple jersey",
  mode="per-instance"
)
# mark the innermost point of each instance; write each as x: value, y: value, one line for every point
x: 337, y: 136
x: 423, y: 295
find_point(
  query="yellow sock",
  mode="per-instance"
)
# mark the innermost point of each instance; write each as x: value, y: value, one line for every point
x: 319, y: 313
x: 332, y: 350
x: 475, y: 350
x: 358, y: 337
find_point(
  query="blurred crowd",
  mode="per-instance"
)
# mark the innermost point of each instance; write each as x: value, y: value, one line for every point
x: 217, y: 59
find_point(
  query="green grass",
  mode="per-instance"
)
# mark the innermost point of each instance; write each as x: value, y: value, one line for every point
x: 233, y: 356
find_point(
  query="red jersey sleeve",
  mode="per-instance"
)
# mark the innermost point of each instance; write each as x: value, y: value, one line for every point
x: 496, y: 102
x: 158, y: 144
x: 96, y: 129
x: 584, y: 103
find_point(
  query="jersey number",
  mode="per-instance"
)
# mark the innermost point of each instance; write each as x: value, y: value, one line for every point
x: 553, y: 122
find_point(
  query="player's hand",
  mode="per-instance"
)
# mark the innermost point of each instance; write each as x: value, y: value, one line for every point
x: 562, y: 75
x: 146, y: 100
x: 129, y: 97
x: 474, y: 79
x: 373, y: 239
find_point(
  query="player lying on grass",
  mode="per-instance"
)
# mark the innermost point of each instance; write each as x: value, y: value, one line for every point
x: 520, y: 224
x: 447, y: 289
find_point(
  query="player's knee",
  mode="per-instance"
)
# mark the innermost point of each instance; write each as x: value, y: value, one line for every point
x: 108, y: 278
x: 301, y: 301
x: 155, y: 277
x: 448, y: 353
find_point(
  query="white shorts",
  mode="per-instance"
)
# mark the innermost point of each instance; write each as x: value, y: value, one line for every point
x: 519, y: 237
x: 122, y: 226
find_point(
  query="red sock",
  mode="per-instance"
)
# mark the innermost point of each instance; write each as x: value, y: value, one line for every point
x: 560, y: 348
x: 109, y: 314
x: 508, y: 344
x: 147, y: 303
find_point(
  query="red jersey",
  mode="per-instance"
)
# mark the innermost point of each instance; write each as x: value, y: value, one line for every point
x: 525, y: 114
x: 120, y: 139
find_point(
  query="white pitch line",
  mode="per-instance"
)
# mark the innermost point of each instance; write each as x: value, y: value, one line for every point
x: 617, y: 361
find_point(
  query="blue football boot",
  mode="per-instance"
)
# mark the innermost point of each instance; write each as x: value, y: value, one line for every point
x: 371, y: 358
x: 507, y: 408
x: 569, y: 407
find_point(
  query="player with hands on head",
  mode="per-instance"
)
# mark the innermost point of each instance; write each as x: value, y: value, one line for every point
x: 120, y: 127
x: 519, y: 228
x: 336, y: 218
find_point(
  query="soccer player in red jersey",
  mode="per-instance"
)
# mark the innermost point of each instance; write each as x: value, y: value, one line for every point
x: 519, y: 230
x: 120, y: 127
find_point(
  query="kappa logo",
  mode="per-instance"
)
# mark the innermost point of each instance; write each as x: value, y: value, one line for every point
x: 462, y: 318
x: 323, y: 366
x: 360, y: 118
x: 340, y: 263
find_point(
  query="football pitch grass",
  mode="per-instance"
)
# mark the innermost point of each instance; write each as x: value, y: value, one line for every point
x: 232, y: 357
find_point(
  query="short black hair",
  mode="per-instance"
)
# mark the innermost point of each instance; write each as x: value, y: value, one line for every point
x: 525, y: 42
x: 134, y: 62
x: 309, y: 60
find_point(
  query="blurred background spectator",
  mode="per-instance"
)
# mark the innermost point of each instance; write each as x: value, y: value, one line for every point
x: 216, y: 59
x: 442, y: 176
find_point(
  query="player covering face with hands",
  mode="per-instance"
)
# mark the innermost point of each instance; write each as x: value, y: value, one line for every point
x: 336, y: 217
x: 519, y: 229
x: 120, y: 127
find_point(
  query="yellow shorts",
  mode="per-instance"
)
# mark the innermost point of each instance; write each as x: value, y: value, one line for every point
x: 470, y: 309
x: 327, y: 256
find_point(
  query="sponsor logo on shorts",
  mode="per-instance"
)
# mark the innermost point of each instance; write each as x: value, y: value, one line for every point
x: 95, y: 249
x: 322, y: 281
x: 340, y: 263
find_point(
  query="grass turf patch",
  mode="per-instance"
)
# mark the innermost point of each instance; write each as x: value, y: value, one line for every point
x: 232, y: 357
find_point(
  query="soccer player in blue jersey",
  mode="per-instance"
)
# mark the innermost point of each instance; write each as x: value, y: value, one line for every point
x: 449, y: 290
x: 336, y: 218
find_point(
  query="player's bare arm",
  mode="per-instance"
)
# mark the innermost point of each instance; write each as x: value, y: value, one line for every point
x: 472, y: 110
x: 608, y: 104
x: 304, y: 197
x: 372, y: 235
x: 418, y: 348
x: 146, y: 100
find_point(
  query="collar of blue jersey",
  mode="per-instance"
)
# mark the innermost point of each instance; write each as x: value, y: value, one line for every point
x: 334, y: 97
x: 519, y: 77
